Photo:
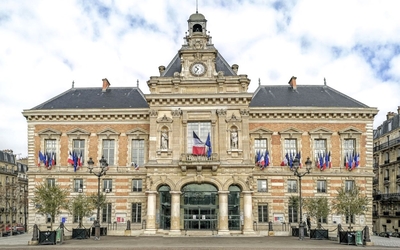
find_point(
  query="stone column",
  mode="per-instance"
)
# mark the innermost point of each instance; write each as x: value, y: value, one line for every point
x: 248, y: 213
x: 151, y: 212
x: 175, y: 212
x: 223, y: 213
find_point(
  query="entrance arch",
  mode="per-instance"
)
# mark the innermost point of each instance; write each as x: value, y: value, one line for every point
x: 200, y: 206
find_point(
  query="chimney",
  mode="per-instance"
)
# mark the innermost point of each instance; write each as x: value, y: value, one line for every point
x: 161, y: 69
x: 106, y: 84
x: 292, y: 82
x: 398, y: 110
x: 389, y: 115
x: 235, y: 68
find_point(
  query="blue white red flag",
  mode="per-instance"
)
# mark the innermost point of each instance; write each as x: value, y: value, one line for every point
x: 208, y: 144
x: 199, y: 147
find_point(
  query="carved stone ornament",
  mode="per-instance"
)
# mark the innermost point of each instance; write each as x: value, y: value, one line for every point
x: 153, y: 113
x: 221, y: 112
x: 164, y: 119
x: 176, y: 112
x: 233, y: 118
x: 244, y: 112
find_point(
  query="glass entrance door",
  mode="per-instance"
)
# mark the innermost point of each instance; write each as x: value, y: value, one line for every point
x: 200, y: 208
x: 200, y: 218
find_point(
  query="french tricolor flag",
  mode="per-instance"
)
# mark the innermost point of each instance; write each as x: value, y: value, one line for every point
x: 199, y: 147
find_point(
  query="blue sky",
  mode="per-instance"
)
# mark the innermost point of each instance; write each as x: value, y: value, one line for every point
x: 45, y: 45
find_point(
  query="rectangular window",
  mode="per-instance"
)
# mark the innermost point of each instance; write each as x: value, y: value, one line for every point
x: 292, y: 186
x: 323, y: 220
x: 51, y: 182
x: 107, y: 185
x: 138, y: 152
x: 263, y: 213
x: 348, y: 219
x: 349, y: 147
x: 321, y: 186
x: 106, y: 216
x: 136, y: 212
x: 108, y: 151
x: 78, y: 147
x: 293, y: 214
x: 260, y: 146
x: 319, y: 148
x: 202, y: 129
x: 262, y: 186
x: 348, y: 186
x: 50, y: 146
x: 78, y: 185
x: 136, y: 185
x: 291, y: 147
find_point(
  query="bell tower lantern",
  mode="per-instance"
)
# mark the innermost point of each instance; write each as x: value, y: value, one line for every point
x: 197, y: 24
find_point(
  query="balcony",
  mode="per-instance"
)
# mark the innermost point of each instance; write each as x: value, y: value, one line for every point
x: 199, y: 162
x: 391, y: 143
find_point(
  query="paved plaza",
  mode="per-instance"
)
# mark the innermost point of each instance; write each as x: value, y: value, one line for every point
x: 198, y: 243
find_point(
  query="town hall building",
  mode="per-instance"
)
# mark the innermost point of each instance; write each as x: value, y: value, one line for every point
x: 200, y: 153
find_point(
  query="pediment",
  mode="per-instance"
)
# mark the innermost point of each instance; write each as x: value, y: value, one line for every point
x: 233, y: 118
x: 78, y: 131
x: 49, y: 132
x: 261, y: 131
x: 350, y: 130
x: 291, y: 131
x: 137, y: 131
x: 108, y: 132
x: 321, y: 130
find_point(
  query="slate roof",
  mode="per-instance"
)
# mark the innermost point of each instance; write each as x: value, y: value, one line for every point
x: 175, y: 66
x: 303, y: 96
x: 384, y: 127
x: 94, y: 98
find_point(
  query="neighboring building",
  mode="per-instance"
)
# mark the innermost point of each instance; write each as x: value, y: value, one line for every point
x: 386, y: 208
x: 161, y: 176
x: 13, y: 192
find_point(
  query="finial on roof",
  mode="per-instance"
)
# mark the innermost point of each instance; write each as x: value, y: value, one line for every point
x: 137, y: 83
x: 259, y: 82
x: 197, y: 6
x: 324, y: 81
x: 73, y: 83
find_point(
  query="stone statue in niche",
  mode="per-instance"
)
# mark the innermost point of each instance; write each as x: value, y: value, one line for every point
x: 164, y: 139
x: 234, y: 139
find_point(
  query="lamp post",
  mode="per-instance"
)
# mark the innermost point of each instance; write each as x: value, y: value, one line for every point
x: 102, y: 171
x: 295, y: 169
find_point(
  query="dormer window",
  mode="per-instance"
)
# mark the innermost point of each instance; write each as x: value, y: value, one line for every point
x: 197, y: 28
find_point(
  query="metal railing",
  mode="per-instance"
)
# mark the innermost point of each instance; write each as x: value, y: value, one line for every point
x: 385, y: 145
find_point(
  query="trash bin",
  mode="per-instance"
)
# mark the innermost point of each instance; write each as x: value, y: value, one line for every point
x: 359, y: 240
x: 59, y: 236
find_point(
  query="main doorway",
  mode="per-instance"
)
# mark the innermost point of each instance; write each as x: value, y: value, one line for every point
x: 200, y: 208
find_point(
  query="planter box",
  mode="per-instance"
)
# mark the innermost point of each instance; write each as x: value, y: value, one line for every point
x: 80, y: 233
x: 103, y: 231
x: 47, y: 237
x: 319, y: 234
x: 347, y: 237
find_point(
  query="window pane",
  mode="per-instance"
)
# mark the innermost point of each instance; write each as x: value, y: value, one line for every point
x: 262, y: 186
x: 321, y: 186
x: 260, y: 145
x: 319, y: 148
x: 107, y: 185
x: 292, y: 186
x: 136, y: 212
x: 108, y: 151
x: 291, y: 147
x: 263, y: 213
x: 138, y: 152
x: 202, y: 129
x: 137, y: 185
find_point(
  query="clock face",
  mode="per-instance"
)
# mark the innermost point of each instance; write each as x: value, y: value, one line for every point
x: 198, y: 69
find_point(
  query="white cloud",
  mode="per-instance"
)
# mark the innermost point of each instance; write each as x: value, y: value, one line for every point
x: 48, y: 44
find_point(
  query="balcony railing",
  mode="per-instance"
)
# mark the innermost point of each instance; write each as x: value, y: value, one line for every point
x: 387, y: 197
x: 199, y: 158
x: 391, y: 143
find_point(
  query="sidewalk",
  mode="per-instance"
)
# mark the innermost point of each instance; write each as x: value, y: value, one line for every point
x: 191, y: 243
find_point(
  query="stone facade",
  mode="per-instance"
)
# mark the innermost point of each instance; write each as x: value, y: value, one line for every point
x: 198, y: 90
x: 386, y: 184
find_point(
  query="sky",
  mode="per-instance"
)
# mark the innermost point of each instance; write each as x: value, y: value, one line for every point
x: 45, y: 45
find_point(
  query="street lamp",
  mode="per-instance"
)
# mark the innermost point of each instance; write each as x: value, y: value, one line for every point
x: 102, y: 171
x: 295, y: 169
